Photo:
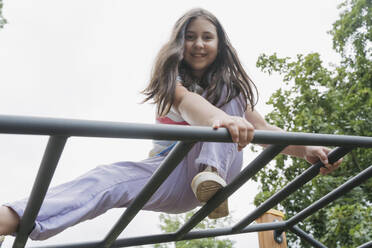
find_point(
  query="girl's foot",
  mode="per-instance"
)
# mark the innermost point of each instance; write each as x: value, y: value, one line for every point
x: 205, y: 185
x: 9, y: 221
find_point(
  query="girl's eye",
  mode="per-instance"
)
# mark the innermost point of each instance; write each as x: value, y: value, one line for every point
x: 189, y: 37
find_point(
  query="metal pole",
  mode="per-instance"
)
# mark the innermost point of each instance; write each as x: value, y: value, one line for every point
x: 48, y: 165
x: 302, y: 234
x: 257, y: 164
x: 333, y: 195
x: 302, y: 179
x: 170, y: 237
x: 88, y: 128
x: 366, y: 245
x: 165, y: 169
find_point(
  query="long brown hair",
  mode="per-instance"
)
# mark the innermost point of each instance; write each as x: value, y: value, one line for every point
x: 225, y: 71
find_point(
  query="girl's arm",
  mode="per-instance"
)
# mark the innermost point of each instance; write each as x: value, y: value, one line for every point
x: 199, y: 112
x: 311, y: 153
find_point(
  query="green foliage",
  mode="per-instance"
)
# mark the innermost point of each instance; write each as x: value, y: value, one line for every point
x: 171, y: 223
x: 335, y: 100
x: 2, y: 19
x: 353, y: 219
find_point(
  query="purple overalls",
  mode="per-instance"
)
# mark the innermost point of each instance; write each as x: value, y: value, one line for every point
x: 116, y: 185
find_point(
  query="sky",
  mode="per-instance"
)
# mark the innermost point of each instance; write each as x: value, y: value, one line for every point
x: 90, y: 60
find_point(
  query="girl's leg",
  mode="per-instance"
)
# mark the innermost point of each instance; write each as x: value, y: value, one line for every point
x: 9, y: 221
x: 222, y: 156
x: 99, y: 190
x: 223, y: 163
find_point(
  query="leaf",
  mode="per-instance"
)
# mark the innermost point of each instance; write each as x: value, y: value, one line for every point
x: 333, y: 100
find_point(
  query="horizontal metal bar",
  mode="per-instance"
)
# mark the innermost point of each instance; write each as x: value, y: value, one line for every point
x: 291, y: 187
x: 331, y: 196
x: 89, y: 128
x: 44, y: 176
x: 171, y: 237
x: 258, y: 163
x: 366, y: 245
x: 167, y: 166
x: 303, y: 235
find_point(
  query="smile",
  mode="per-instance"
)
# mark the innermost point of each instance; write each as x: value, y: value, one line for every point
x: 198, y: 55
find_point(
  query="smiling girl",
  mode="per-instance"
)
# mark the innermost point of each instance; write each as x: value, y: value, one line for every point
x: 197, y: 80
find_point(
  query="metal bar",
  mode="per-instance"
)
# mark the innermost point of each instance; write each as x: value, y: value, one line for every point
x: 333, y: 195
x: 302, y: 234
x: 257, y: 164
x: 366, y: 245
x: 88, y: 128
x: 168, y: 165
x: 302, y: 179
x: 44, y: 176
x: 170, y: 237
x: 198, y: 234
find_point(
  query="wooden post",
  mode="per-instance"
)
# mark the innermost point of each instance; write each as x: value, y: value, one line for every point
x: 266, y: 238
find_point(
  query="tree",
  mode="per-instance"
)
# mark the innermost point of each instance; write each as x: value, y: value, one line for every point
x: 171, y: 223
x: 334, y: 100
x: 2, y: 19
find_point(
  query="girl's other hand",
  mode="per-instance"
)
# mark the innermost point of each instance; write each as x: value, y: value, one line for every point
x: 315, y: 153
x: 239, y: 128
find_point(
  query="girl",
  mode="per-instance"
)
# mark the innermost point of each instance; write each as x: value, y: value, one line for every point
x: 197, y: 80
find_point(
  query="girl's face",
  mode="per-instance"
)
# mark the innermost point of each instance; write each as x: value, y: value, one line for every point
x: 201, y: 45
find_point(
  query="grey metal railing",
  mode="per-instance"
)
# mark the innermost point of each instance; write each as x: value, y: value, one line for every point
x: 60, y: 130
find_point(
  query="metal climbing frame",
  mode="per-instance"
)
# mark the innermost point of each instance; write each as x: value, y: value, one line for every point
x: 60, y: 130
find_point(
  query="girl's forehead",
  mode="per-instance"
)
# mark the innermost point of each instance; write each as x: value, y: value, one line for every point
x: 201, y: 24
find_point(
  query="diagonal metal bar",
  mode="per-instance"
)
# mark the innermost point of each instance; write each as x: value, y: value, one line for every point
x: 90, y: 128
x: 302, y: 234
x: 302, y: 179
x: 366, y: 245
x: 165, y: 169
x: 170, y: 237
x: 44, y: 176
x: 257, y: 164
x: 333, y: 195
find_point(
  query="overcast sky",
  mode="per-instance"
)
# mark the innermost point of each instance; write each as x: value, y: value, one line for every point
x: 89, y: 60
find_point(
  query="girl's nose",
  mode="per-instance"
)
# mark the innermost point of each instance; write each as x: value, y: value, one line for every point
x: 198, y: 43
